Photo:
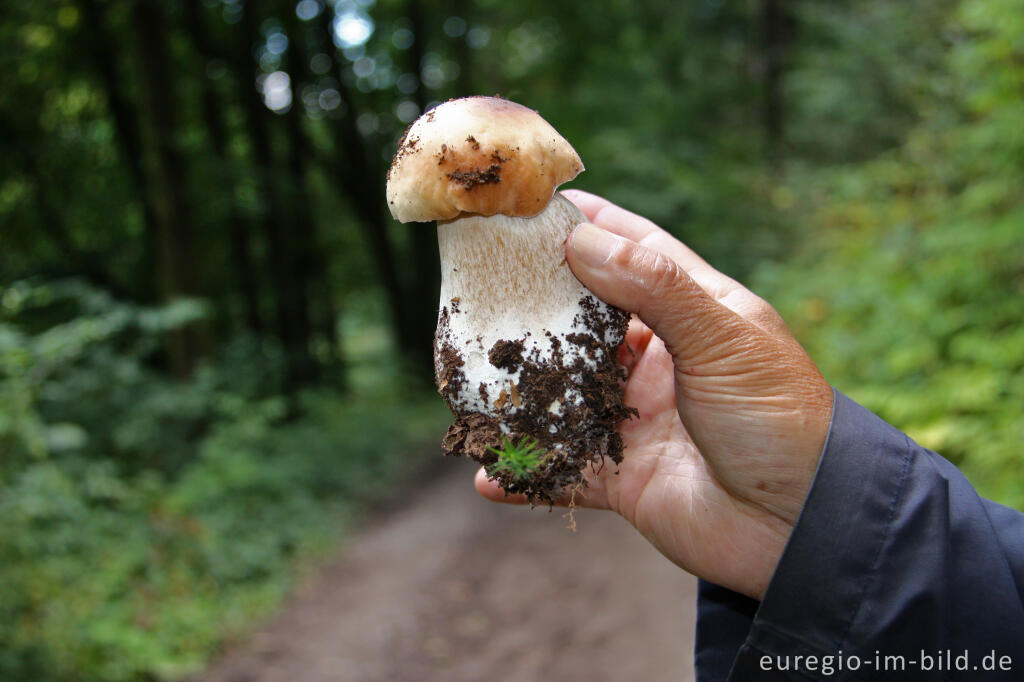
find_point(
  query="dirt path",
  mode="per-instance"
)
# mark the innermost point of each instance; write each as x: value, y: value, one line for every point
x: 452, y: 588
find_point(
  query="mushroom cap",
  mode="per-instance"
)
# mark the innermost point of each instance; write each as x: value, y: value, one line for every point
x: 482, y: 155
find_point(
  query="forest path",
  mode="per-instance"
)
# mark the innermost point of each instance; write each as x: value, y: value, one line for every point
x: 449, y: 587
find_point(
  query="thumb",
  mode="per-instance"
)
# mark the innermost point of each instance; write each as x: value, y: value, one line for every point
x: 695, y: 328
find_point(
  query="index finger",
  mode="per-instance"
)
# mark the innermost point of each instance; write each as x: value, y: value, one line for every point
x: 589, y: 203
x: 633, y: 227
x: 636, y: 228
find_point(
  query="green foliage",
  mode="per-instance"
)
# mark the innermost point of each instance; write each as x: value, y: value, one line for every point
x: 71, y: 350
x: 909, y: 297
x: 145, y: 520
x: 519, y: 460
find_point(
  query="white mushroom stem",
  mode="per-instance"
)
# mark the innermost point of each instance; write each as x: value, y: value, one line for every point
x: 506, y: 279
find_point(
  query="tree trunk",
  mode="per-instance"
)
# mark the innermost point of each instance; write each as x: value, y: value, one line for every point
x: 425, y: 289
x: 292, y: 313
x: 463, y: 54
x: 361, y: 176
x: 311, y: 261
x: 178, y: 270
x: 775, y: 39
x: 240, y: 249
x: 99, y: 45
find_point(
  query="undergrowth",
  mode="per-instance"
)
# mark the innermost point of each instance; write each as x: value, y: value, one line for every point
x: 147, y: 521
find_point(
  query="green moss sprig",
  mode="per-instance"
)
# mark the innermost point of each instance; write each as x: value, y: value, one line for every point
x: 519, y: 460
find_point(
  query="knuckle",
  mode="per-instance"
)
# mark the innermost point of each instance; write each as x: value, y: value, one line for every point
x: 663, y: 275
x: 768, y: 315
x: 601, y: 217
x: 623, y: 255
x: 761, y: 307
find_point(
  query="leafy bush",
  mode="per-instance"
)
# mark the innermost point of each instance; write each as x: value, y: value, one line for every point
x: 146, y: 520
x: 909, y: 296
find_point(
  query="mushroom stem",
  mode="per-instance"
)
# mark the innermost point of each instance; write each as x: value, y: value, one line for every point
x: 522, y: 348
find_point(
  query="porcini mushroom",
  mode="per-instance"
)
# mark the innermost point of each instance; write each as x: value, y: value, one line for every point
x: 523, y: 354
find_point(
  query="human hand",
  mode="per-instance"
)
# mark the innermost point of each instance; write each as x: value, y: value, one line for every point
x: 733, y: 414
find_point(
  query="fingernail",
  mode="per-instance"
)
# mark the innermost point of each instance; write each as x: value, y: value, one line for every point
x: 592, y: 245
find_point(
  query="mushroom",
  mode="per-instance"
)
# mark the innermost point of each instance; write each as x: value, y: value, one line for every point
x: 524, y: 354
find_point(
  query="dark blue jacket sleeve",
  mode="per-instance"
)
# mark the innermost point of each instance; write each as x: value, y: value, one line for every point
x: 896, y: 567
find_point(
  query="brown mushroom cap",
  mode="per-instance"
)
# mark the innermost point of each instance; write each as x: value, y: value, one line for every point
x: 482, y: 155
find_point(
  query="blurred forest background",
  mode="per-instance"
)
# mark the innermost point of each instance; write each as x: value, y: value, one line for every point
x: 215, y: 343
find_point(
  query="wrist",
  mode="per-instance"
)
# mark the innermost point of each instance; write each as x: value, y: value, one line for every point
x: 815, y: 419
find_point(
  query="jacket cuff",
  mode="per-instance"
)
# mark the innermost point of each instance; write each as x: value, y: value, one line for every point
x: 820, y: 582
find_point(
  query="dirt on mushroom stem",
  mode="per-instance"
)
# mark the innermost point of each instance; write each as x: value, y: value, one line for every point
x: 574, y: 437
